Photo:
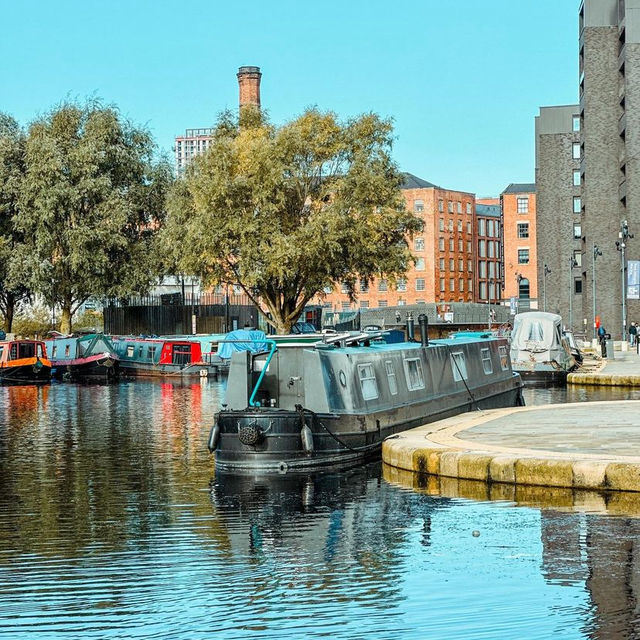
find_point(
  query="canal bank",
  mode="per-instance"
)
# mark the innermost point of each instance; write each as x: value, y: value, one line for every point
x: 581, y: 446
x: 621, y: 371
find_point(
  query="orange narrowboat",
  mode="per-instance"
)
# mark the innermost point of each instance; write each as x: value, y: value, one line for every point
x: 24, y: 361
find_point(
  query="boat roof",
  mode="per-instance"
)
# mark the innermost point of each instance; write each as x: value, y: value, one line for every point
x: 405, y: 346
x: 20, y: 340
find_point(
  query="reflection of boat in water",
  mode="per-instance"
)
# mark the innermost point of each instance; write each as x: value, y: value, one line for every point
x: 24, y: 361
x: 306, y: 406
x: 539, y: 352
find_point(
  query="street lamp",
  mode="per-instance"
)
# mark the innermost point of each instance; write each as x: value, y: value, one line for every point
x: 621, y: 245
x: 546, y: 271
x: 572, y: 263
x: 596, y: 253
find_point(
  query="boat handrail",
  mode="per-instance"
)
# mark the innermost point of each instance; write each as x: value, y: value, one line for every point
x: 274, y: 348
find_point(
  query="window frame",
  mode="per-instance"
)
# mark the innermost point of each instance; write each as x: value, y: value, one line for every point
x: 419, y: 382
x: 361, y: 368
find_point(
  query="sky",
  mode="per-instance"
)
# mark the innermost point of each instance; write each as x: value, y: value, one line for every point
x: 461, y: 79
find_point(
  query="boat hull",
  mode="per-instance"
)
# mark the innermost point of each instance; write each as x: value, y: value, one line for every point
x: 30, y: 372
x: 272, y: 440
x: 542, y: 374
x: 99, y: 367
x: 197, y: 370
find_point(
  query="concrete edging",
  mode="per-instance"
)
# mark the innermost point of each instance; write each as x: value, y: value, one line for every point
x: 437, y: 449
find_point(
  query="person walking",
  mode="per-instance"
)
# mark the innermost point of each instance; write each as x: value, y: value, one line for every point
x: 633, y: 334
x: 603, y: 340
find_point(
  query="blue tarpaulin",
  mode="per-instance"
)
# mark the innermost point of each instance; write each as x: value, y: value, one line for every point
x: 242, y: 340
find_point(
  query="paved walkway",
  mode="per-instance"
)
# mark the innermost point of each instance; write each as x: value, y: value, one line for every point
x: 594, y: 445
x: 622, y: 371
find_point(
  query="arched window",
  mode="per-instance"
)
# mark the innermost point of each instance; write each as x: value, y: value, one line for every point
x: 523, y: 289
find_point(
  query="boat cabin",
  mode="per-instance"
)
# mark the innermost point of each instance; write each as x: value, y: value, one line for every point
x: 13, y: 350
x: 158, y: 351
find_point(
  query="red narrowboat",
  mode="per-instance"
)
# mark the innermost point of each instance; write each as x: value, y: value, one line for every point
x: 24, y: 361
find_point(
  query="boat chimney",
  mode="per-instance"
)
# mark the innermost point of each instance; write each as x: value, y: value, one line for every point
x: 423, y: 321
x: 410, y: 327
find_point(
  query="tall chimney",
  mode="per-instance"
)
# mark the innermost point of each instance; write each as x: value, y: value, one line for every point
x: 249, y: 85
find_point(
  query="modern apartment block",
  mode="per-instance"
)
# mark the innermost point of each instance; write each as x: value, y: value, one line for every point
x: 196, y: 141
x: 489, y: 252
x: 559, y: 214
x: 518, y: 202
x: 444, y: 269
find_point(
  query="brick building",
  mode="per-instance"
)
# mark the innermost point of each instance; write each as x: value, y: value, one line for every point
x: 196, y: 141
x: 489, y: 251
x: 518, y: 202
x: 444, y: 269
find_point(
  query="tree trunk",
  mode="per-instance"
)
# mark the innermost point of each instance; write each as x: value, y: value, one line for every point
x: 65, y: 321
x: 9, y: 313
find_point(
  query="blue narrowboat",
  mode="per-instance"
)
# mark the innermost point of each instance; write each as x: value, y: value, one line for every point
x: 83, y: 357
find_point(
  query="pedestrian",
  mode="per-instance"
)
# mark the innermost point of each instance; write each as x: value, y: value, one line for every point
x: 633, y: 334
x: 603, y: 341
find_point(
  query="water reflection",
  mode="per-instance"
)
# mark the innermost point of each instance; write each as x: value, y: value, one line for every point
x: 113, y: 524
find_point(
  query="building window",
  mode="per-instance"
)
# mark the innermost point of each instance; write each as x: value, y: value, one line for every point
x: 391, y: 377
x: 482, y: 248
x: 368, y: 384
x: 419, y: 284
x: 450, y: 206
x: 441, y: 224
x: 460, y: 226
x: 482, y: 227
x: 413, y: 374
x: 523, y: 229
x: 418, y: 206
x: 452, y: 284
x: 468, y: 246
x: 450, y: 225
x: 577, y: 230
x: 382, y: 285
x: 576, y: 151
x: 346, y: 306
x: 469, y: 285
x: 576, y: 123
x: 418, y: 244
x: 344, y: 288
x: 459, y: 207
x: 441, y: 244
x: 419, y: 264
x: 441, y: 264
x: 469, y: 227
x: 577, y: 258
x: 440, y: 205
x: 452, y: 264
x: 460, y: 244
x: 382, y: 303
x: 523, y: 289
x: 364, y: 286
x: 419, y: 301
x: 364, y: 304
x: 490, y: 229
x: 461, y: 285
x: 441, y: 284
x: 577, y: 204
x: 523, y: 256
x: 450, y: 244
x: 577, y: 286
x: 523, y: 204
x: 468, y: 207
x: 576, y: 177
x: 492, y: 269
x: 482, y: 269
x: 483, y: 291
x: 460, y: 264
x: 469, y: 265
x: 401, y: 284
x: 491, y: 246
x: 402, y: 303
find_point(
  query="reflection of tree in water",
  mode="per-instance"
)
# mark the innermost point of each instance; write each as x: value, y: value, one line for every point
x: 604, y: 552
x: 338, y: 534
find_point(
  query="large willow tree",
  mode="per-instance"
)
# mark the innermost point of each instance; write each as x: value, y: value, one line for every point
x: 92, y: 201
x: 286, y: 211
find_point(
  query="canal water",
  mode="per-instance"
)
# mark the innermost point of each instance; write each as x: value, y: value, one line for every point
x: 114, y: 525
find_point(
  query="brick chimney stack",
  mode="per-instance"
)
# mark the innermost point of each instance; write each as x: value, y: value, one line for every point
x: 249, y: 85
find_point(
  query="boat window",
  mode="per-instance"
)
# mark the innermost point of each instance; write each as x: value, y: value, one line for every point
x: 1, y: 351
x: 27, y: 350
x: 181, y: 354
x: 459, y: 366
x: 66, y: 350
x: 487, y: 365
x: 504, y: 358
x: 13, y: 352
x: 54, y: 350
x: 39, y: 351
x: 140, y: 351
x: 130, y: 352
x: 368, y: 382
x: 151, y: 353
x: 391, y: 377
x: 413, y: 373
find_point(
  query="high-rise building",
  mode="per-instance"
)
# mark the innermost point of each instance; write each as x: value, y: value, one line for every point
x: 559, y: 213
x: 520, y: 260
x: 444, y: 251
x: 196, y: 141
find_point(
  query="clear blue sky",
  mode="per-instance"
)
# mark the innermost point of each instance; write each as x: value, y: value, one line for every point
x: 462, y: 80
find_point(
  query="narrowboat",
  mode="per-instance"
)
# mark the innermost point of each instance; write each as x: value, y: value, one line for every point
x: 300, y: 407
x: 209, y: 348
x: 83, y: 357
x: 162, y: 357
x: 539, y: 351
x: 24, y: 361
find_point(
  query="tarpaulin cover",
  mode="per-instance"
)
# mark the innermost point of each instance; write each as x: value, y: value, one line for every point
x: 243, y: 340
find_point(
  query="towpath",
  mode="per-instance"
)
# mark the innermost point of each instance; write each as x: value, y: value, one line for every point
x: 622, y: 371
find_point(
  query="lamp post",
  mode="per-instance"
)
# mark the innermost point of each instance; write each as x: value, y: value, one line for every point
x: 621, y: 245
x: 596, y: 253
x: 572, y: 264
x: 545, y: 272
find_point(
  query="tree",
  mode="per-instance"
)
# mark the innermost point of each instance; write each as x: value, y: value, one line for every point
x: 12, y: 172
x: 92, y: 202
x: 286, y: 211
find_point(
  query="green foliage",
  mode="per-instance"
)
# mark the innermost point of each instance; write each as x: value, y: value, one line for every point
x: 34, y: 322
x: 90, y: 319
x: 91, y: 204
x: 286, y: 211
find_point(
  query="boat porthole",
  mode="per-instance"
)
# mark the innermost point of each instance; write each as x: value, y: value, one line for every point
x: 283, y: 467
x: 343, y: 378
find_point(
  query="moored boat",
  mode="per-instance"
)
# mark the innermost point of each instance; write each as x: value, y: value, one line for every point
x: 83, y: 357
x: 539, y: 351
x: 162, y: 357
x: 300, y: 406
x: 24, y: 361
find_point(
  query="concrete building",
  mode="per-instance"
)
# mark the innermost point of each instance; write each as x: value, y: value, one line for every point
x: 444, y: 270
x: 489, y: 252
x: 559, y: 214
x: 196, y: 141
